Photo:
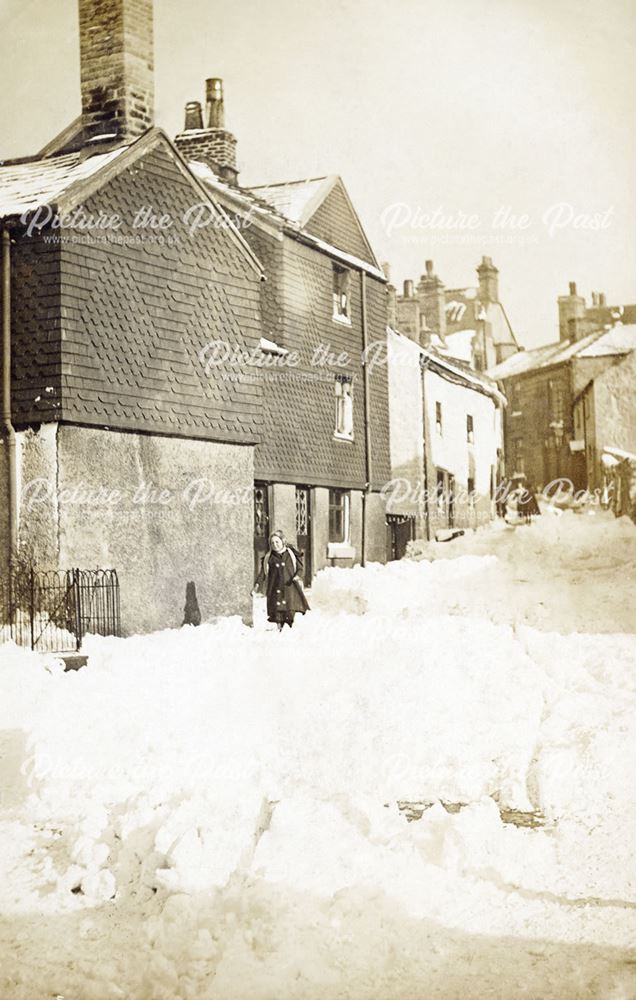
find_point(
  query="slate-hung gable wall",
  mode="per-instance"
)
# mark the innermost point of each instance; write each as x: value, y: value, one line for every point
x: 334, y: 223
x: 136, y: 317
x: 35, y: 331
x: 298, y: 444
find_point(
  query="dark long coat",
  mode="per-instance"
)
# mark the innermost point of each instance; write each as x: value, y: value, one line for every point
x: 283, y: 588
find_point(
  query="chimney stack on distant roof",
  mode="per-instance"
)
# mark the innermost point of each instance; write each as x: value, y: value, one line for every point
x: 432, y: 296
x: 488, y: 281
x: 571, y: 314
x: 602, y: 300
x: 116, y: 69
x: 210, y: 143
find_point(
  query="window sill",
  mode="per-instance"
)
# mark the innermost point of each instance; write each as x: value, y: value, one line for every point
x: 340, y: 550
x: 345, y: 320
x: 343, y: 437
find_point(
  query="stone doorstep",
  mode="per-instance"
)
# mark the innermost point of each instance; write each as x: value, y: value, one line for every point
x: 415, y: 810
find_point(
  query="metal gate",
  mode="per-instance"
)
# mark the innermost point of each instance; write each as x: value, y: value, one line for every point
x: 303, y: 530
x: 52, y: 610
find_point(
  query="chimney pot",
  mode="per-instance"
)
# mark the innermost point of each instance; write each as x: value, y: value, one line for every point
x: 602, y: 300
x: 408, y: 289
x: 214, y: 102
x: 429, y: 268
x: 573, y: 288
x: 193, y: 116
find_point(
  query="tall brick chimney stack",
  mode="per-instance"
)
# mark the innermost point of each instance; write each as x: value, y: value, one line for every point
x: 211, y: 143
x: 432, y: 299
x: 488, y: 281
x: 116, y: 69
x: 571, y: 314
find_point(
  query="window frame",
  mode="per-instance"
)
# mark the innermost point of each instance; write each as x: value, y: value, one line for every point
x: 340, y: 506
x: 341, y: 312
x: 439, y: 418
x: 341, y: 395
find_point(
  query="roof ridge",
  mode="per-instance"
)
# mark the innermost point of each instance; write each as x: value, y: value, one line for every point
x: 302, y: 180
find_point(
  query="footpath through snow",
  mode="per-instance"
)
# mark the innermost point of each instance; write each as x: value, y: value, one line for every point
x: 210, y: 813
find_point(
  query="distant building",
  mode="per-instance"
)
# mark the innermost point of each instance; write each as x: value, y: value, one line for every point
x: 577, y: 319
x: 446, y: 443
x: 469, y: 324
x: 566, y: 402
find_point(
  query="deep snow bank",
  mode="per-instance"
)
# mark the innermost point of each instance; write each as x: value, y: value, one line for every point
x: 262, y: 770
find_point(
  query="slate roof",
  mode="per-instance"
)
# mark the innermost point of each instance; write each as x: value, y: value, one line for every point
x: 296, y: 200
x: 271, y: 211
x: 603, y: 343
x: 26, y: 186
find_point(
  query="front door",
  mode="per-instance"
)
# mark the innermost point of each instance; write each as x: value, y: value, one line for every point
x: 303, y: 529
x: 261, y: 524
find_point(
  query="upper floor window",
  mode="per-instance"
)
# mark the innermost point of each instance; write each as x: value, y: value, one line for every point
x: 341, y: 293
x: 556, y: 400
x: 470, y: 430
x: 438, y: 419
x: 344, y: 407
x: 339, y: 515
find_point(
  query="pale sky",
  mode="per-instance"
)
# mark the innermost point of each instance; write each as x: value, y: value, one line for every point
x: 459, y: 106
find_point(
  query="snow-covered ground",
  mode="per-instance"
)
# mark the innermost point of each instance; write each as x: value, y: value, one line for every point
x: 212, y: 812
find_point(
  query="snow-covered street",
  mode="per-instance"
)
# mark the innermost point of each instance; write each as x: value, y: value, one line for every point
x: 212, y: 813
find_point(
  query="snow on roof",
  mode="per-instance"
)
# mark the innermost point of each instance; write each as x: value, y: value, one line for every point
x: 459, y: 345
x: 618, y: 340
x: 257, y: 200
x: 598, y: 344
x: 26, y: 186
x: 453, y: 365
x: 296, y: 200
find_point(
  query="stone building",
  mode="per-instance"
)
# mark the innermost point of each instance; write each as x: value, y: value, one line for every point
x: 550, y: 431
x: 131, y: 262
x: 120, y: 448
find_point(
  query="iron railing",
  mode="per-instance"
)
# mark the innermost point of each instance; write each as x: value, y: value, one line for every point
x: 52, y: 610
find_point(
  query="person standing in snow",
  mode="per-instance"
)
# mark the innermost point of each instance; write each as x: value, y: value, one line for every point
x: 529, y: 505
x: 280, y: 571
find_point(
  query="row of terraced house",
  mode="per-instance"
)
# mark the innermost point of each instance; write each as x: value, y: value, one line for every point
x: 189, y: 363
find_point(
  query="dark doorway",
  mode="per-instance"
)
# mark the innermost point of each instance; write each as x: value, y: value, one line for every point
x: 261, y: 524
x: 402, y: 532
x: 303, y: 529
x: 451, y: 501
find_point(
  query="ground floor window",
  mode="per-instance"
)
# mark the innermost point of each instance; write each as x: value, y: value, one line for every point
x: 339, y: 515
